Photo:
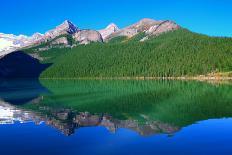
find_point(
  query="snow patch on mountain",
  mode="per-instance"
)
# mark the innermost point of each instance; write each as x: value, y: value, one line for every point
x: 110, y: 29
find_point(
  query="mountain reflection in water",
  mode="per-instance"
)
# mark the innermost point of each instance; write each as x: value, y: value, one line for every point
x: 147, y: 107
x: 66, y: 121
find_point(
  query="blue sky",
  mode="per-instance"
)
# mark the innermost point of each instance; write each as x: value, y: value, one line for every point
x: 212, y: 17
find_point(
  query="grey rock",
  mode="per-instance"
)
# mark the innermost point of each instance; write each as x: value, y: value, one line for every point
x: 60, y: 41
x: 149, y: 26
x: 144, y: 24
x: 165, y: 26
x: 110, y: 29
x: 37, y: 38
x: 87, y: 36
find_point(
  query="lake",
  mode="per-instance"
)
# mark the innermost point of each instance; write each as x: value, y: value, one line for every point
x: 98, y: 117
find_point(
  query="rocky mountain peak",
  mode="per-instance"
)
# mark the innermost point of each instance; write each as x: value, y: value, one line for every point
x: 110, y: 29
x: 66, y: 27
x: 112, y: 26
x: 144, y: 24
x: 69, y: 26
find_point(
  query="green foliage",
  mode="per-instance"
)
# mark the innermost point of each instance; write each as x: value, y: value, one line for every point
x: 70, y: 39
x: 137, y: 37
x: 119, y: 39
x: 177, y: 53
x: 52, y: 54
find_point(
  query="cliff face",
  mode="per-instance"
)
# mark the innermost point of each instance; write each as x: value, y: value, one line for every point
x: 163, y: 27
x: 87, y: 36
x: 60, y: 41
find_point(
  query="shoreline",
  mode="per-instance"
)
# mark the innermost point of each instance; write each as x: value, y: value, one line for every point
x: 145, y: 78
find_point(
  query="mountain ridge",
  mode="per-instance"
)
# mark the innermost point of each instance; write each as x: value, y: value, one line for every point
x: 10, y: 42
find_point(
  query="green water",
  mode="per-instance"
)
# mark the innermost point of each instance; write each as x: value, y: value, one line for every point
x: 115, y: 117
x: 177, y: 103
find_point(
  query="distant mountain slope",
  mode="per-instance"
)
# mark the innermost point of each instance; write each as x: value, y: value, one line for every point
x: 176, y: 53
x: 147, y: 26
x: 61, y: 34
x: 10, y: 42
x: 20, y: 65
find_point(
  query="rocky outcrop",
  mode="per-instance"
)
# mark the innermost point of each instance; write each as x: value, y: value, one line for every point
x: 165, y: 26
x: 37, y: 38
x: 144, y: 24
x: 60, y: 41
x: 110, y: 29
x: 87, y: 36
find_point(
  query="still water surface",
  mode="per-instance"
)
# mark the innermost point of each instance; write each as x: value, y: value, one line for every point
x: 115, y: 117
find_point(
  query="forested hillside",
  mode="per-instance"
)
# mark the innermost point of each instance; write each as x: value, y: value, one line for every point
x: 177, y: 53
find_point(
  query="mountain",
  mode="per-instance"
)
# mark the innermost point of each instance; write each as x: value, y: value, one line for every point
x: 69, y: 35
x: 10, y: 42
x: 179, y: 53
x: 148, y: 26
x: 148, y: 48
x: 66, y: 27
x: 110, y: 29
x: 20, y: 65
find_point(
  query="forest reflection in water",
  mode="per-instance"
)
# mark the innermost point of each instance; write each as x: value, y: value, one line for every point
x: 147, y: 107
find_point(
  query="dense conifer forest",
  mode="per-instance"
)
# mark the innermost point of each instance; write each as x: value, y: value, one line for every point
x: 177, y: 53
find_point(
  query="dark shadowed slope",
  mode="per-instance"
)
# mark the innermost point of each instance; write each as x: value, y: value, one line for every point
x: 20, y: 65
x: 21, y: 91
